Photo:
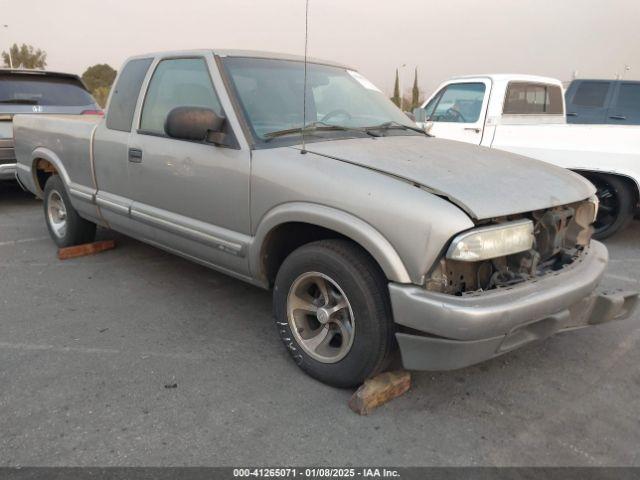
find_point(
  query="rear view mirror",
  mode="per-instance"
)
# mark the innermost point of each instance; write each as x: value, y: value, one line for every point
x: 194, y: 123
x: 420, y: 115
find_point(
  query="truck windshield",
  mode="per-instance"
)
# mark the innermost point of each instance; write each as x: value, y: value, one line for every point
x: 28, y: 89
x: 270, y: 92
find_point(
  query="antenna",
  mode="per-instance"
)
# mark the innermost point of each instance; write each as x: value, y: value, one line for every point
x: 304, y: 87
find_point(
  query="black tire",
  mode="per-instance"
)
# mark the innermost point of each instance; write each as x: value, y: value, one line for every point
x: 365, y: 288
x: 77, y: 230
x: 617, y: 204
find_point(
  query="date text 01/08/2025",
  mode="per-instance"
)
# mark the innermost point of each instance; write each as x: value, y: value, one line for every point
x: 315, y: 473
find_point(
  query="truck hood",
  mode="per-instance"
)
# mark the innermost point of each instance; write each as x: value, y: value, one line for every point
x: 485, y: 183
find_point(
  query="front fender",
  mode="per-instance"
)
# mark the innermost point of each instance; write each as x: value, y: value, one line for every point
x: 342, y: 222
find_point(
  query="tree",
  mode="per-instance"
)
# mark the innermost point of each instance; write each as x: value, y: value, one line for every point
x: 396, y: 91
x: 98, y: 79
x: 25, y: 56
x: 99, y: 75
x: 415, y: 92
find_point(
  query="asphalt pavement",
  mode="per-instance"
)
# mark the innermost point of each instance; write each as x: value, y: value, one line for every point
x: 137, y: 357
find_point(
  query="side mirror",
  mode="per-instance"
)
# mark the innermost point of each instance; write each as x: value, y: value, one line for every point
x: 420, y: 115
x: 194, y: 123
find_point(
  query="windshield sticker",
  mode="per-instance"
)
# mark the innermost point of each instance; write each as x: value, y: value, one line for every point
x: 363, y: 81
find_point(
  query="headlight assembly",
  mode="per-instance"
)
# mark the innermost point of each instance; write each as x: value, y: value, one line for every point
x: 493, y: 241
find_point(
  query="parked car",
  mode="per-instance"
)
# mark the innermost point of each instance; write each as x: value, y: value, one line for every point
x: 525, y: 114
x: 616, y: 102
x: 370, y: 233
x: 36, y: 92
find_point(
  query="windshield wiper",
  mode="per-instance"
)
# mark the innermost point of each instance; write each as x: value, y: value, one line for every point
x: 394, y: 124
x: 20, y: 101
x: 315, y: 127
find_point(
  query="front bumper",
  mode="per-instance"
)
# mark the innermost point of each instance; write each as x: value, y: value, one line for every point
x: 8, y: 171
x: 446, y: 332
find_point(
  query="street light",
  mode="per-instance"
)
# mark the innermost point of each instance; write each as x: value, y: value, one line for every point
x: 10, y: 59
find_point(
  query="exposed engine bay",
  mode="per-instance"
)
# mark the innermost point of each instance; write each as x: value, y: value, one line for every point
x: 561, y: 235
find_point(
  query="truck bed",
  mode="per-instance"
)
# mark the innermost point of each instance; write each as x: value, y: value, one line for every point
x: 609, y: 148
x: 55, y: 138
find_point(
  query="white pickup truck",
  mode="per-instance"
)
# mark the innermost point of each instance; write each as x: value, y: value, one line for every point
x: 525, y: 114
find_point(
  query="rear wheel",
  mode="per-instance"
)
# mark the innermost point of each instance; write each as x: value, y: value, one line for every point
x: 332, y: 310
x: 65, y: 226
x: 616, y: 205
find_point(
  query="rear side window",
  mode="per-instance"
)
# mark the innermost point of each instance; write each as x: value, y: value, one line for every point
x: 178, y: 82
x: 591, y: 94
x: 629, y: 96
x: 525, y: 98
x: 125, y: 95
x: 46, y: 90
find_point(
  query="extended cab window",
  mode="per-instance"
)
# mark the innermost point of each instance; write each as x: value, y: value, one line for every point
x: 525, y: 98
x: 178, y: 82
x: 459, y: 102
x: 591, y: 94
x: 125, y: 94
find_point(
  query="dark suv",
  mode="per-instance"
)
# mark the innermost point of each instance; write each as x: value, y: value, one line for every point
x: 603, y: 101
x: 37, y: 92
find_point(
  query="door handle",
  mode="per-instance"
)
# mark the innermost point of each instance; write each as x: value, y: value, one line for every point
x: 572, y: 114
x: 617, y: 117
x: 135, y: 155
x: 473, y: 129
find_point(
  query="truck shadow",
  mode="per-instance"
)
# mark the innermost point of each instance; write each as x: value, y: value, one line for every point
x: 10, y: 192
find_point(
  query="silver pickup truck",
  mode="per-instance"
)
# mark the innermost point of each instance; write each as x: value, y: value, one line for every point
x: 372, y: 234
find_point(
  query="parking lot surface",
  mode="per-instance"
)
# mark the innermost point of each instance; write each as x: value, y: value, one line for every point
x: 138, y: 357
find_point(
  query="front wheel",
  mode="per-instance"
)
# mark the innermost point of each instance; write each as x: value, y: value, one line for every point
x: 65, y: 226
x: 331, y: 306
x: 616, y: 205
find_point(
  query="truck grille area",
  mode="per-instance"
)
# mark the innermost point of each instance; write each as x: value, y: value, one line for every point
x: 561, y: 235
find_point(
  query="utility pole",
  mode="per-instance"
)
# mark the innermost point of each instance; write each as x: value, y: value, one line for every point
x: 10, y: 59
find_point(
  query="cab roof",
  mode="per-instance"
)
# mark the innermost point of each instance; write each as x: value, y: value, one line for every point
x: 243, y: 53
x: 513, y: 77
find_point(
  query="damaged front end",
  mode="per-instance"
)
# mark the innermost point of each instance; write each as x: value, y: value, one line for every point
x: 560, y: 237
x: 504, y: 284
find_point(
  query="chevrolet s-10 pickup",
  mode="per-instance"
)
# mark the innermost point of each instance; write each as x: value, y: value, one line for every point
x: 373, y: 235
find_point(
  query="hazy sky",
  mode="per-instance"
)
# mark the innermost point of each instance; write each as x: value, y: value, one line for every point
x: 440, y: 37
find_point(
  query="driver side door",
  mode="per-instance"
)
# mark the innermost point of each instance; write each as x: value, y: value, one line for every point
x: 194, y: 195
x: 458, y: 110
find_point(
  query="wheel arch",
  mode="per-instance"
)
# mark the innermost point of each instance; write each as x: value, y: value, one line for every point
x: 629, y: 178
x: 291, y: 225
x: 45, y: 163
